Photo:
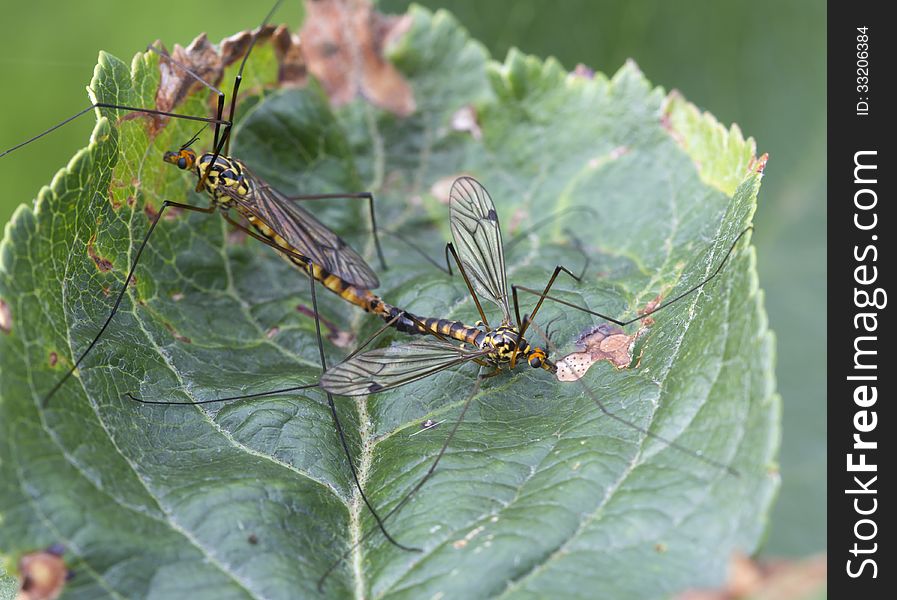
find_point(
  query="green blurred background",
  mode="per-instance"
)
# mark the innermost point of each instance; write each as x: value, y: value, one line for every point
x: 760, y: 64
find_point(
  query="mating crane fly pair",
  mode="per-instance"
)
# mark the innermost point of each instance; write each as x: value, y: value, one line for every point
x: 275, y: 220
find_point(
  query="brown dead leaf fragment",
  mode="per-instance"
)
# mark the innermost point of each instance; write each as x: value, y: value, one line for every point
x: 293, y: 66
x: 175, y: 84
x: 209, y: 63
x: 771, y: 580
x: 103, y: 264
x: 42, y: 575
x: 344, y: 43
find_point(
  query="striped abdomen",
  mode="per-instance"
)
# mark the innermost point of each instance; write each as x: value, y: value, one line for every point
x: 367, y: 300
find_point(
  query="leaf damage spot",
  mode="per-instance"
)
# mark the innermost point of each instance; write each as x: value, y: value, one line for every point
x: 344, y: 46
x: 518, y: 217
x: 271, y: 333
x: 53, y: 359
x: 5, y: 317
x: 442, y: 187
x: 649, y: 308
x: 336, y: 336
x: 458, y: 544
x: 104, y: 265
x: 176, y: 335
x: 177, y: 296
x: 465, y: 119
x: 604, y: 342
x: 583, y: 71
x: 43, y: 574
x: 758, y: 165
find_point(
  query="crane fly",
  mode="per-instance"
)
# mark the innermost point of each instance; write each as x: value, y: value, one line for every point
x: 274, y: 218
x: 478, y: 253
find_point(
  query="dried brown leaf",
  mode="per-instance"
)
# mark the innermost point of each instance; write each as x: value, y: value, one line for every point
x: 344, y: 43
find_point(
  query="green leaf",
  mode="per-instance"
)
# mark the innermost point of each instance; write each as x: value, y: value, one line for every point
x: 9, y: 586
x: 539, y: 495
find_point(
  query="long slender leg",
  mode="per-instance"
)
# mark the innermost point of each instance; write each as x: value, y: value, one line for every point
x: 546, y: 220
x: 524, y: 324
x: 671, y: 443
x: 223, y: 144
x: 673, y: 300
x: 447, y: 269
x: 148, y: 111
x: 196, y: 77
x: 351, y: 195
x: 121, y: 293
x: 295, y: 388
x: 473, y: 392
x: 239, y: 78
x: 339, y: 427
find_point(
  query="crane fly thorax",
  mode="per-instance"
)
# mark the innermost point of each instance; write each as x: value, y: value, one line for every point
x: 501, y: 343
x: 222, y: 179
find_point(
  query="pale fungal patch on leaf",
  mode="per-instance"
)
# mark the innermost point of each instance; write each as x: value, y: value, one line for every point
x: 603, y: 342
x: 458, y: 544
x: 599, y: 161
x: 344, y: 46
x: 5, y: 317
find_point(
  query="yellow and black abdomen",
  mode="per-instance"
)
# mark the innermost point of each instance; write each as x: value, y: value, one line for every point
x: 453, y: 329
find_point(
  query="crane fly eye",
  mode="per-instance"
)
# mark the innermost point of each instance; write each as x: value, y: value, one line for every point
x: 535, y: 361
x: 182, y: 163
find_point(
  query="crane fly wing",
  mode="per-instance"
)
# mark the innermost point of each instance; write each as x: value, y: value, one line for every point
x: 386, y: 368
x: 308, y: 236
x: 477, y: 236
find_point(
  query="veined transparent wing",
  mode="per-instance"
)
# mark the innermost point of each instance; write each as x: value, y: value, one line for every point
x: 305, y: 233
x: 394, y: 366
x: 477, y: 236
